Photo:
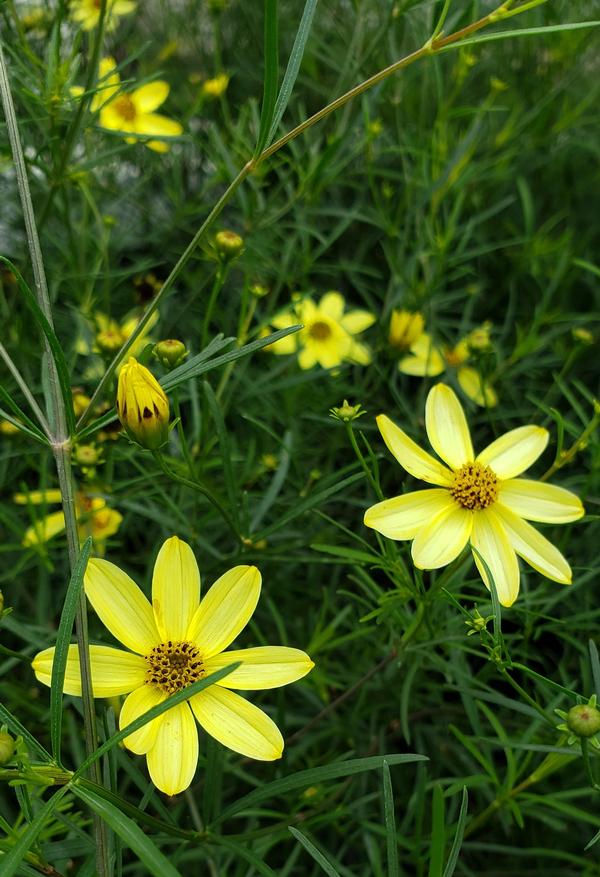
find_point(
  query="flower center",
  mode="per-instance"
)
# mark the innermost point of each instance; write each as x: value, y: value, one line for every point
x: 475, y: 486
x: 174, y: 665
x: 320, y: 330
x: 125, y: 107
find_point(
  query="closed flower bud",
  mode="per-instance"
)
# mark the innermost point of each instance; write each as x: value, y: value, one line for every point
x: 583, y: 720
x: 405, y: 328
x: 228, y: 244
x: 7, y: 747
x: 142, y: 406
x: 170, y: 352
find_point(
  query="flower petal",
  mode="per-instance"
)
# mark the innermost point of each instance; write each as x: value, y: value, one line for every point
x: 441, y: 540
x: 262, y: 667
x: 534, y: 548
x: 136, y: 704
x: 175, y: 589
x: 237, y: 724
x: 112, y: 119
x: 225, y: 610
x: 44, y: 529
x: 149, y: 97
x: 307, y: 358
x: 491, y: 540
x: 515, y: 451
x: 403, y: 516
x: 476, y: 388
x: 121, y: 606
x: 114, y: 672
x: 536, y: 501
x: 359, y: 353
x: 173, y: 759
x: 155, y: 125
x: 357, y: 321
x: 424, y: 359
x: 411, y: 457
x: 447, y: 427
x: 332, y: 304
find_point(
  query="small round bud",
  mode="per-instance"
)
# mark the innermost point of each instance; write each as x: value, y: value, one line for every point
x: 170, y: 352
x: 228, y: 244
x: 87, y: 455
x: 258, y: 290
x: 109, y: 341
x: 347, y: 412
x: 80, y: 402
x: 583, y: 720
x: 7, y: 747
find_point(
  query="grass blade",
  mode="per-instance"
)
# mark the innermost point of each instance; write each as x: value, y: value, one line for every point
x: 10, y: 863
x: 458, y: 837
x: 271, y: 73
x: 438, y: 833
x: 390, y: 823
x: 219, y: 422
x: 315, y: 853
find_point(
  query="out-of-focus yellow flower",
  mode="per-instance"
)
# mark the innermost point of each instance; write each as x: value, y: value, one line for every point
x: 132, y: 112
x: 583, y: 335
x: 216, y: 87
x: 147, y: 286
x: 405, y: 328
x: 327, y: 338
x: 94, y: 517
x: 426, y: 359
x: 142, y: 406
x: 87, y: 12
x: 112, y: 335
x: 80, y: 401
x: 8, y: 428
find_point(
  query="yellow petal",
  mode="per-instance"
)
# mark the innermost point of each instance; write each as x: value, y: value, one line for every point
x: 38, y: 497
x: 114, y: 672
x: 534, y: 548
x: 357, y: 321
x: 424, y: 359
x: 330, y: 354
x: 491, y: 540
x: 307, y: 358
x: 136, y: 704
x: 44, y: 529
x: 237, y: 724
x: 155, y: 125
x: 447, y: 427
x: 262, y: 667
x: 473, y: 386
x: 537, y: 501
x: 225, y: 610
x: 332, y: 304
x: 175, y: 589
x: 441, y: 540
x: 403, y: 516
x: 112, y: 119
x: 359, y: 353
x: 155, y: 146
x: 411, y: 457
x: 173, y: 759
x: 149, y: 97
x: 515, y: 451
x: 121, y: 606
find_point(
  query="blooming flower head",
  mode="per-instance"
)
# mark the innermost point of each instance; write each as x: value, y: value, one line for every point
x: 132, y: 112
x: 216, y: 87
x: 478, y: 499
x: 426, y: 359
x: 142, y: 405
x: 87, y: 12
x: 405, y: 328
x: 327, y: 338
x: 94, y: 518
x: 172, y: 643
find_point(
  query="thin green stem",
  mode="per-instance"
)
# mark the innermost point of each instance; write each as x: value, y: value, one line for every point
x: 362, y: 461
x: 220, y: 277
x: 185, y: 448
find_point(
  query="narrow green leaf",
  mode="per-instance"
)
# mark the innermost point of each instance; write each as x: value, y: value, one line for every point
x: 241, y: 850
x: 315, y: 853
x: 291, y: 73
x: 33, y: 433
x: 271, y: 73
x: 19, y: 416
x: 351, y: 554
x: 521, y: 32
x: 10, y: 863
x: 277, y: 482
x: 458, y: 837
x: 230, y: 480
x: 19, y: 730
x: 314, y: 776
x: 132, y: 835
x: 63, y: 639
x: 595, y: 662
x: 390, y: 823
x: 438, y: 833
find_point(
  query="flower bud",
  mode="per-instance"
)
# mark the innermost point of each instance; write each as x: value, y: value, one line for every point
x: 583, y: 720
x: 170, y: 352
x: 405, y: 328
x: 215, y: 87
x: 7, y: 747
x: 109, y: 340
x: 142, y: 406
x: 228, y: 244
x: 347, y: 412
x: 259, y: 290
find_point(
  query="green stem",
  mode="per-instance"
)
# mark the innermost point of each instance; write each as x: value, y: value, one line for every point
x: 579, y: 443
x: 182, y: 436
x: 362, y: 461
x: 25, y: 390
x: 220, y: 277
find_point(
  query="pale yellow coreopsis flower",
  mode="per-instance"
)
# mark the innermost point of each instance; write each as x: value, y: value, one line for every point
x: 174, y: 642
x: 94, y: 518
x: 328, y: 336
x: 87, y: 12
x: 478, y: 500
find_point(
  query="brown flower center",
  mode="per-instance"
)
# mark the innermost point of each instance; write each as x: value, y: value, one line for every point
x: 320, y: 330
x: 174, y: 665
x: 125, y: 107
x: 475, y: 486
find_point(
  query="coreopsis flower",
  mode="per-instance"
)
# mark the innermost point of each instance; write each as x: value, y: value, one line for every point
x: 94, y: 518
x: 215, y: 88
x: 405, y: 328
x: 172, y: 643
x: 87, y: 12
x: 426, y: 359
x: 478, y: 500
x: 132, y: 111
x: 111, y: 334
x: 328, y: 336
x: 142, y: 405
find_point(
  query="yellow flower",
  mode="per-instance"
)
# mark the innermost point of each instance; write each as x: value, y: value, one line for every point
x: 328, y: 334
x: 94, y: 517
x: 427, y: 360
x: 132, y: 112
x: 142, y: 405
x: 478, y: 500
x: 111, y: 335
x: 215, y: 87
x: 173, y: 643
x: 405, y: 328
x: 87, y: 12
